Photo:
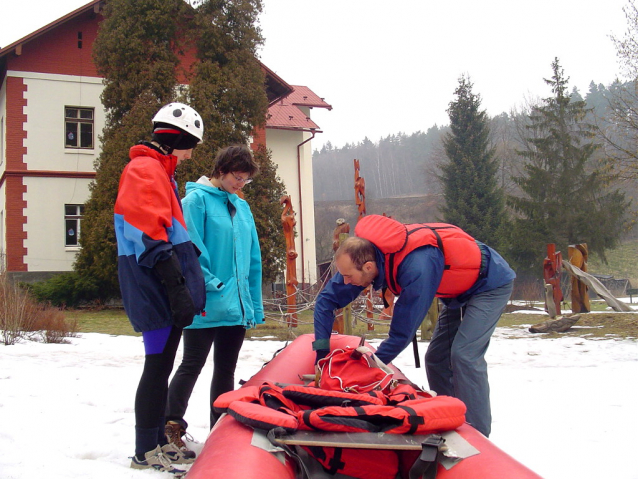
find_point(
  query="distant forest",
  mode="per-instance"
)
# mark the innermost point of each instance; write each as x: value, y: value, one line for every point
x: 405, y: 166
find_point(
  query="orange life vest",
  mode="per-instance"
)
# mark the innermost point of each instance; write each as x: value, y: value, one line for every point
x: 405, y: 410
x: 418, y: 416
x: 396, y: 240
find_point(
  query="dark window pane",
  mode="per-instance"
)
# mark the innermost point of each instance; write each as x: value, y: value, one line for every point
x: 86, y: 114
x: 71, y: 232
x: 71, y: 113
x: 70, y: 210
x: 71, y: 137
x: 86, y: 135
x: 81, y: 209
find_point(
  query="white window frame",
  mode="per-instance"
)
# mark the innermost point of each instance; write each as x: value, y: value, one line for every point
x: 73, y: 215
x: 75, y: 126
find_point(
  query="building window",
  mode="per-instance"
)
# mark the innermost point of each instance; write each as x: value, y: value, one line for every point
x: 72, y: 219
x: 78, y: 127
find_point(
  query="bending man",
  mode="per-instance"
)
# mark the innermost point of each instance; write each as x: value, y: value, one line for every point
x: 418, y: 262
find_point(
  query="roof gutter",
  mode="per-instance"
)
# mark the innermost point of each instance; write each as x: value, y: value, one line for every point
x: 292, y: 128
x: 303, y: 277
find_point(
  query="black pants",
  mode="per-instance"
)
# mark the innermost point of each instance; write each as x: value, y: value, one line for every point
x: 197, y: 343
x: 150, y: 398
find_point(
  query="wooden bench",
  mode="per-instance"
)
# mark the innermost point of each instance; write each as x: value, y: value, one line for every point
x: 631, y: 292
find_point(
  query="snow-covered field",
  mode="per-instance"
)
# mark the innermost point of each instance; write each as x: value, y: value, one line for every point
x: 565, y: 407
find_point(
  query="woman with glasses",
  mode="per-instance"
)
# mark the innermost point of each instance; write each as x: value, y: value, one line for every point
x: 221, y: 225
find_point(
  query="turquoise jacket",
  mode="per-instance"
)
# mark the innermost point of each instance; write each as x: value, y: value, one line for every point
x: 222, y: 226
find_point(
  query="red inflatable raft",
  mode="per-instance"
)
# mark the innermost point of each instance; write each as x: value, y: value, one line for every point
x: 229, y: 454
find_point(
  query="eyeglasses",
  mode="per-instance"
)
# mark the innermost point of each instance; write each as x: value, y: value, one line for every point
x: 242, y: 180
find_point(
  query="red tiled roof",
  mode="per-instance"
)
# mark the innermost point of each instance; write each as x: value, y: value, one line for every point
x: 285, y: 115
x: 289, y: 117
x: 304, y: 96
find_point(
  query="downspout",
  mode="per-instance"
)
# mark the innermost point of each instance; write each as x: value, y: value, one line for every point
x: 300, y: 204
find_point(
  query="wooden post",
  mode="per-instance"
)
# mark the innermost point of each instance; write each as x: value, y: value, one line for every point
x: 551, y: 275
x: 388, y: 298
x: 369, y: 307
x: 347, y: 319
x: 429, y: 322
x: 577, y: 255
x: 360, y: 201
x: 288, y: 222
x: 340, y: 324
x: 359, y: 190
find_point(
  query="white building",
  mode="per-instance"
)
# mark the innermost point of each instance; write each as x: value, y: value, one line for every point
x: 50, y: 119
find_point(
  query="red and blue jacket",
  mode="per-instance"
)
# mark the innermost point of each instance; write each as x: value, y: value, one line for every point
x: 150, y: 227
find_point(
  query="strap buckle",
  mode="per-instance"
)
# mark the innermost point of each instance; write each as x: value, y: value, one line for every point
x: 431, y: 448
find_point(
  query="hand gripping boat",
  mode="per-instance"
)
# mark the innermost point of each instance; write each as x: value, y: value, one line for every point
x: 236, y: 451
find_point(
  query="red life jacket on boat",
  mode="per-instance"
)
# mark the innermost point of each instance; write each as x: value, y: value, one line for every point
x: 275, y: 407
x: 396, y: 240
x: 418, y: 416
x: 403, y: 410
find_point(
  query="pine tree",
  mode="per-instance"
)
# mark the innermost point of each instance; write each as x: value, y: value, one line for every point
x: 134, y: 52
x: 473, y: 199
x: 566, y: 197
x: 140, y: 53
x: 227, y: 87
x: 263, y: 195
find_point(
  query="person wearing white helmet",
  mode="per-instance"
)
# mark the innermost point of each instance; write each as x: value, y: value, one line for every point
x: 177, y: 126
x: 160, y: 277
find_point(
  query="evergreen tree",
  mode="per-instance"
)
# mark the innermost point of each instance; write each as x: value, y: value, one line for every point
x: 134, y: 53
x: 140, y: 53
x: 473, y: 199
x: 620, y: 131
x: 227, y: 88
x: 263, y: 195
x: 565, y: 195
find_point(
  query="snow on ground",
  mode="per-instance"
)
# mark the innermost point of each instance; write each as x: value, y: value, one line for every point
x: 565, y: 407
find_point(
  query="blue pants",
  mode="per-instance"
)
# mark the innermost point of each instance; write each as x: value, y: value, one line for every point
x: 455, y: 360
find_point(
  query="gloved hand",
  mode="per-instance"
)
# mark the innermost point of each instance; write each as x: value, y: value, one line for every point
x: 182, y: 306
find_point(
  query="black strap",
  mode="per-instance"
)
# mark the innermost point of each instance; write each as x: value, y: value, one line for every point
x: 426, y: 466
x: 336, y: 464
x: 272, y: 437
x: 415, y: 348
x: 439, y: 242
x: 414, y: 420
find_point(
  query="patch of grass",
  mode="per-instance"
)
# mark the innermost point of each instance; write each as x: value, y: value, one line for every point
x: 106, y: 321
x: 114, y: 321
x: 608, y: 325
x: 622, y: 262
x: 275, y: 327
x: 603, y: 324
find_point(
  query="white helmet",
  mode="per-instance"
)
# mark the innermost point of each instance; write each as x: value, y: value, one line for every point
x: 182, y: 116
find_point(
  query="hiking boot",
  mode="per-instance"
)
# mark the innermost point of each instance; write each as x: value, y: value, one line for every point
x: 156, y: 460
x: 174, y: 432
x: 176, y: 455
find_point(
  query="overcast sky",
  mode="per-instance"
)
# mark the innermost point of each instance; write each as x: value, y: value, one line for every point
x: 392, y: 66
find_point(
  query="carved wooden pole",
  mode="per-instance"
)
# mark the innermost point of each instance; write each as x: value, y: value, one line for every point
x: 342, y: 227
x: 288, y: 222
x: 360, y: 200
x: 551, y: 275
x: 340, y: 324
x: 359, y: 190
x: 578, y: 257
